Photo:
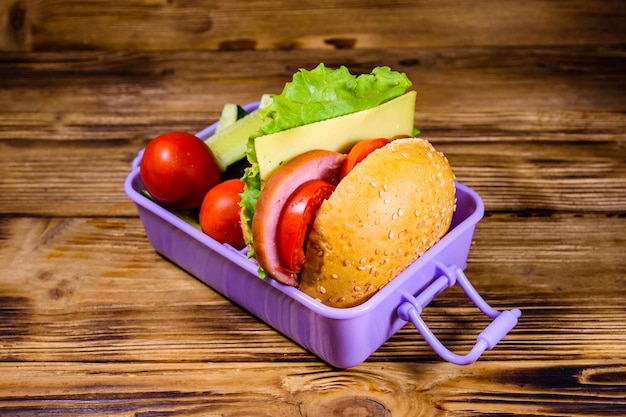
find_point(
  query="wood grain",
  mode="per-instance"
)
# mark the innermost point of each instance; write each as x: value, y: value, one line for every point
x: 526, y: 99
x: 125, y: 99
x: 242, y: 25
x: 96, y: 314
x: 405, y: 389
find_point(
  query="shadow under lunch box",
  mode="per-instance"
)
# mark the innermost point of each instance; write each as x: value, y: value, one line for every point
x: 343, y: 337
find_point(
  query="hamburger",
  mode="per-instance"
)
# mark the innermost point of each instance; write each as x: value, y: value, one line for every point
x: 386, y: 212
x: 341, y: 217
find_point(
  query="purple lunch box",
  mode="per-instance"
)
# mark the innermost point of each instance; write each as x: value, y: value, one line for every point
x: 343, y: 337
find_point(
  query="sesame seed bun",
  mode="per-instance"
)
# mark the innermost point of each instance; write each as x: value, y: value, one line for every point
x: 390, y: 209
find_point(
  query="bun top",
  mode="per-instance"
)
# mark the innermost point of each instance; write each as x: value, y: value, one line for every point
x: 390, y: 209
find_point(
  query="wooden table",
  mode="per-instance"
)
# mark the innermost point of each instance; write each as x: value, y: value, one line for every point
x: 527, y: 100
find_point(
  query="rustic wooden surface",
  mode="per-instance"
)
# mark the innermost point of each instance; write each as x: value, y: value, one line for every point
x: 527, y: 99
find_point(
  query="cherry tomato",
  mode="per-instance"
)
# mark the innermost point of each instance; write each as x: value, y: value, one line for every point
x: 296, y: 219
x: 178, y: 169
x: 220, y: 211
x: 360, y: 151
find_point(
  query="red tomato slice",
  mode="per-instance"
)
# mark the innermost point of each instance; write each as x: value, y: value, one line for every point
x: 296, y: 220
x: 360, y: 151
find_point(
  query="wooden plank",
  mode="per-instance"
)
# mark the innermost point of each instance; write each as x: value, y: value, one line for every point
x: 530, y: 174
x: 132, y: 305
x: 283, y: 25
x: 186, y: 84
x: 542, y: 388
x: 60, y: 178
x: 110, y: 105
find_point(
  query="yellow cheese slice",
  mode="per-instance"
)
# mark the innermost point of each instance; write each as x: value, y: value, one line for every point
x: 393, y: 118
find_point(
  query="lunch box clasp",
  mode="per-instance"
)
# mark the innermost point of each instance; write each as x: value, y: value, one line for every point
x: 411, y: 310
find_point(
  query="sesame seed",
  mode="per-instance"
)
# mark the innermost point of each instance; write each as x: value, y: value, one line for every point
x: 322, y: 289
x: 362, y: 260
x: 370, y: 287
x: 357, y: 288
x: 394, y: 216
x: 390, y: 235
x: 373, y: 184
x: 385, y: 187
x: 334, y: 276
x: 361, y: 268
x: 387, y: 201
x: 400, y: 212
x: 387, y: 260
x: 320, y: 253
x: 380, y: 193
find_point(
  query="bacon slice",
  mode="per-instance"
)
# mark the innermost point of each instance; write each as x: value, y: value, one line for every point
x: 316, y: 164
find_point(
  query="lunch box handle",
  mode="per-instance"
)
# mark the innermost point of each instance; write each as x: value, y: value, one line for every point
x: 411, y: 310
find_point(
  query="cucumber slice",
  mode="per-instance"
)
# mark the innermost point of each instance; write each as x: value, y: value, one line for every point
x: 266, y: 100
x: 230, y: 114
x: 229, y: 144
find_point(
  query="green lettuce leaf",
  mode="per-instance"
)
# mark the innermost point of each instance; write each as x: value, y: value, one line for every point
x: 324, y: 93
x: 312, y: 96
